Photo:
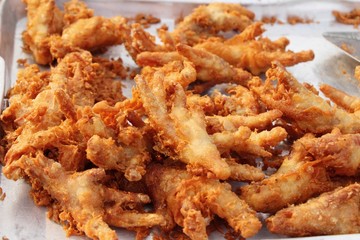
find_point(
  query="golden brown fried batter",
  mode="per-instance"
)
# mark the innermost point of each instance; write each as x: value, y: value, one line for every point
x: 335, y: 212
x: 237, y: 100
x: 40, y: 27
x: 75, y: 10
x: 191, y: 202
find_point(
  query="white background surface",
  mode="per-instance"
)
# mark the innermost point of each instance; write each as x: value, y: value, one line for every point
x: 21, y: 219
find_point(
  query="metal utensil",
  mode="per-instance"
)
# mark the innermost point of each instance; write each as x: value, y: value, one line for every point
x: 348, y: 42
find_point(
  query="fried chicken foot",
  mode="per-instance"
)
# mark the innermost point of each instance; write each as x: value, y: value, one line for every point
x: 335, y: 212
x: 181, y: 130
x: 254, y: 55
x: 137, y: 41
x: 237, y: 100
x: 343, y: 100
x: 351, y: 17
x: 244, y: 172
x: 83, y: 198
x: 232, y: 122
x: 89, y: 34
x: 192, y: 201
x: 245, y: 141
x: 209, y: 67
x: 278, y: 191
x: 309, y: 111
x: 206, y: 21
x: 296, y: 181
x: 60, y: 142
x: 40, y: 27
x: 106, y: 154
x: 337, y: 152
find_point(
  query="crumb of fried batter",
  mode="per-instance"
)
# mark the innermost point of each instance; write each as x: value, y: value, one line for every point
x: 296, y: 19
x: 347, y: 48
x: 132, y: 74
x: 271, y: 20
x: 5, y: 238
x: 164, y: 27
x: 2, y: 195
x: 179, y: 19
x: 22, y: 62
x: 146, y: 19
x: 113, y: 65
x: 142, y: 233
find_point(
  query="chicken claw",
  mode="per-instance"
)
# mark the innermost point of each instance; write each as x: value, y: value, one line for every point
x: 192, y: 202
x: 181, y: 129
x: 309, y: 111
x: 331, y: 213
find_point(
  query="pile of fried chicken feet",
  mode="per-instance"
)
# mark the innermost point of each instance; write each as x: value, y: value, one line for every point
x: 164, y: 158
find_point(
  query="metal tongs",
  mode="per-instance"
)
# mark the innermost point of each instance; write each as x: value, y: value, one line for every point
x: 348, y: 42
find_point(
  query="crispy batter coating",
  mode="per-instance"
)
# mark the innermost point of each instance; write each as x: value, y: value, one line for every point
x: 75, y: 10
x: 192, y: 201
x: 106, y: 154
x: 237, y: 100
x: 309, y: 111
x: 335, y: 212
x: 254, y: 55
x: 40, y: 27
x: 137, y: 40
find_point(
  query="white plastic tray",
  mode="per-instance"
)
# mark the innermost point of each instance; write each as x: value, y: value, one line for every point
x: 21, y: 219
